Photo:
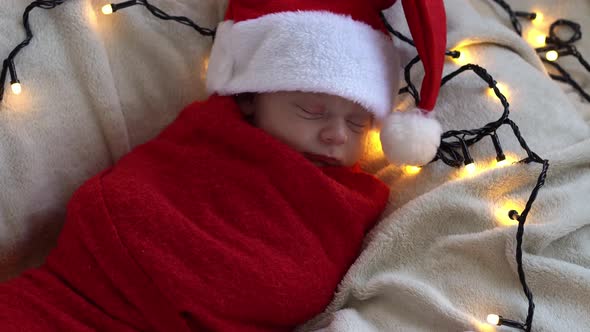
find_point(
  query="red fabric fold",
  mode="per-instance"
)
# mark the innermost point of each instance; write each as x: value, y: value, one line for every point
x: 212, y: 226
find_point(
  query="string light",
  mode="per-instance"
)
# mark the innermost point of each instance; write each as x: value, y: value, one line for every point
x: 8, y: 63
x: 503, y: 214
x: 493, y: 319
x: 500, y: 156
x: 536, y: 37
x: 107, y: 9
x: 551, y: 55
x: 499, y: 320
x: 114, y: 7
x: 553, y: 42
x: 538, y: 19
x: 16, y: 88
x: 411, y: 170
x: 502, y: 163
x: 454, y: 140
x: 464, y: 57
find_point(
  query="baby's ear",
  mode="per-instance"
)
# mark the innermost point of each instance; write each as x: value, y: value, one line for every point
x: 246, y: 103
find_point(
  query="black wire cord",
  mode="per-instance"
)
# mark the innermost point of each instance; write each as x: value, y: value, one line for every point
x: 8, y: 67
x: 8, y: 63
x: 157, y: 12
x: 563, y: 47
x: 453, y: 151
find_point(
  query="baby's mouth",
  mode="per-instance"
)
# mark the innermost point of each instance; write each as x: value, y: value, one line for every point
x: 321, y: 160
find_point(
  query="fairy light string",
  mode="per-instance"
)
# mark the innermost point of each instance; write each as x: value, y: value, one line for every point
x: 8, y: 66
x: 157, y: 12
x: 454, y: 151
x: 9, y: 69
x: 555, y: 46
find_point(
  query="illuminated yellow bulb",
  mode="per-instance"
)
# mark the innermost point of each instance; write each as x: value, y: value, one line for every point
x: 502, y: 163
x: 539, y: 18
x: 463, y: 58
x: 552, y: 55
x: 505, y: 216
x: 470, y: 168
x: 508, y: 160
x: 16, y: 88
x: 536, y: 38
x: 493, y: 319
x: 107, y: 9
x: 412, y: 170
x: 373, y: 147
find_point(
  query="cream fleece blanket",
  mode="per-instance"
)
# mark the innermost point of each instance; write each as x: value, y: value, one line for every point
x: 443, y: 257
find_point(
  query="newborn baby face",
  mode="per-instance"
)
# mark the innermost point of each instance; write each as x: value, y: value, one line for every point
x: 329, y: 130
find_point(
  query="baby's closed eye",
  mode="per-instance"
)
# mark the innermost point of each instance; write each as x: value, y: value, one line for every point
x: 309, y: 113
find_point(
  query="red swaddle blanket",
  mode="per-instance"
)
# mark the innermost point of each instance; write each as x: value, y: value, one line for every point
x: 213, y: 225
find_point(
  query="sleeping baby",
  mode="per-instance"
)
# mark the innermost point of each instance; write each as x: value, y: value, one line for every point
x: 245, y: 213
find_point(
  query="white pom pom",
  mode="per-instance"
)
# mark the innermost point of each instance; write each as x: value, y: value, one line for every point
x: 410, y: 138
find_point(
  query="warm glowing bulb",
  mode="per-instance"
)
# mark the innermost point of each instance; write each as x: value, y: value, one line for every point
x: 552, y: 55
x: 470, y: 168
x: 107, y: 9
x: 412, y: 170
x: 373, y: 148
x: 502, y: 163
x: 539, y: 18
x: 16, y: 88
x: 493, y: 319
x: 536, y: 37
x: 463, y: 58
x: 503, y: 215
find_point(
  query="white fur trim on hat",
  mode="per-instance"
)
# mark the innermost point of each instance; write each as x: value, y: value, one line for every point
x: 411, y: 137
x: 311, y: 51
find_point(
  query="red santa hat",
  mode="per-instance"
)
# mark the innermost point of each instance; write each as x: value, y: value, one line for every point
x: 338, y: 47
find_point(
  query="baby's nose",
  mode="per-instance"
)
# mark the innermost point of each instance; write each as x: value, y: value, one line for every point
x: 335, y: 134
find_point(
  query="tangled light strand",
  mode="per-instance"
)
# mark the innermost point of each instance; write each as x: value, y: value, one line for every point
x: 454, y: 151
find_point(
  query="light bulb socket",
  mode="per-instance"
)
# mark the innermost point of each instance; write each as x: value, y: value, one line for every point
x: 511, y: 323
x: 123, y: 5
x: 530, y: 16
x: 499, y: 153
x: 513, y: 214
x: 466, y: 156
x: 12, y: 71
x: 455, y: 54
